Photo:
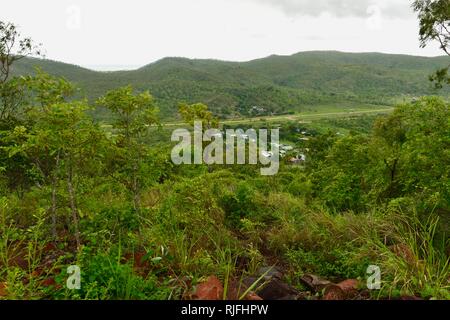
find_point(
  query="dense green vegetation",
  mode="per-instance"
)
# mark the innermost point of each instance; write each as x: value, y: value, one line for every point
x: 110, y: 200
x: 353, y: 191
x: 277, y: 84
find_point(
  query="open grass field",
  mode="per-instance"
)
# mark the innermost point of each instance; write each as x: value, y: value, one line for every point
x: 319, y: 112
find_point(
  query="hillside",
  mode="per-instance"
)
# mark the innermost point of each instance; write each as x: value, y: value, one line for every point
x: 279, y: 84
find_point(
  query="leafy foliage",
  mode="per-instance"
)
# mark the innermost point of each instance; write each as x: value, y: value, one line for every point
x: 434, y: 16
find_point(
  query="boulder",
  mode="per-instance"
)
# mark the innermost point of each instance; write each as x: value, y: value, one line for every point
x: 349, y: 287
x: 315, y: 283
x: 333, y: 292
x: 211, y: 289
x: 3, y: 289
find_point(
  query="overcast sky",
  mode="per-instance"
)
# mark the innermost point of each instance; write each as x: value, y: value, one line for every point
x: 117, y: 34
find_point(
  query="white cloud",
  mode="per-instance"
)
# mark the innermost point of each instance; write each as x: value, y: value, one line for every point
x: 340, y: 8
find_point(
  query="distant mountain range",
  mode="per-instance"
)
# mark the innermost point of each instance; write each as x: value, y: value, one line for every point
x: 272, y: 85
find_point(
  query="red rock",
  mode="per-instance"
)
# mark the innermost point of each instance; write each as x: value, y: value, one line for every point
x: 49, y: 247
x: 211, y: 289
x: 3, y: 289
x: 48, y: 282
x: 349, y: 287
x: 333, y: 292
x: 253, y: 297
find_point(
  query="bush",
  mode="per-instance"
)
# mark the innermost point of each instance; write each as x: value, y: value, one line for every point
x: 103, y: 277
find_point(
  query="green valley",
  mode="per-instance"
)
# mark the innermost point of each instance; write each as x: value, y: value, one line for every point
x: 270, y: 86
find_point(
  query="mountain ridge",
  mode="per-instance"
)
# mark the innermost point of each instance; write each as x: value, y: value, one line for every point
x: 278, y: 83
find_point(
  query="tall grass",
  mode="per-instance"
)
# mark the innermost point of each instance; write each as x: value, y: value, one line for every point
x: 416, y: 264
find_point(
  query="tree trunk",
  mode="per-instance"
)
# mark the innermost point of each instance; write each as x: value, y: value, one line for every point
x: 394, y: 170
x: 73, y: 207
x: 53, y: 207
x: 136, y: 190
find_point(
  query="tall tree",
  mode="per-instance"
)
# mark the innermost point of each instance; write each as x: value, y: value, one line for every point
x: 197, y: 112
x: 58, y: 140
x: 13, y: 47
x: 434, y: 16
x: 61, y: 144
x: 134, y: 114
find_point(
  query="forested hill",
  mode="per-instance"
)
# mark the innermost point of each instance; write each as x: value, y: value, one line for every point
x: 276, y: 84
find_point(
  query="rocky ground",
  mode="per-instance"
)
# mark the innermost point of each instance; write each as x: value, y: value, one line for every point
x: 268, y: 284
